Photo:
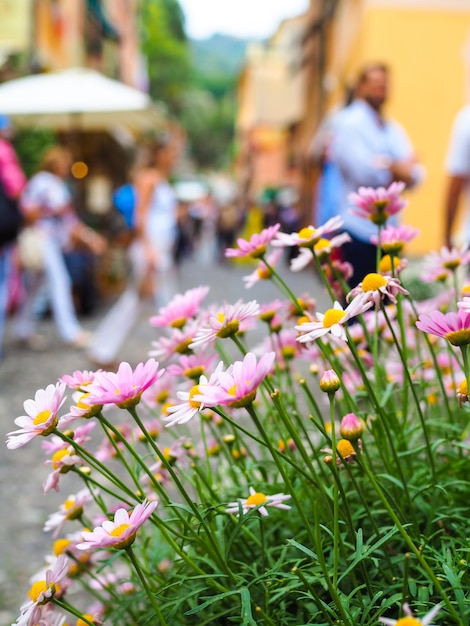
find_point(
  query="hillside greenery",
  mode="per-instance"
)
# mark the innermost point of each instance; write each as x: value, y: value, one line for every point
x: 195, y: 79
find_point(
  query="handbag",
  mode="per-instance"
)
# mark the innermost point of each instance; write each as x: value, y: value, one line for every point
x: 31, y: 246
x: 10, y: 217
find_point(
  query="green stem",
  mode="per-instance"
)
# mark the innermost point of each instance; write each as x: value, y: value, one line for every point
x: 70, y: 609
x: 415, y: 396
x: 148, y: 591
x: 409, y: 542
x: 189, y: 501
x: 284, y: 286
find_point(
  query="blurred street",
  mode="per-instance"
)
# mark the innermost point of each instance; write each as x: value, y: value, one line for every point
x: 23, y: 544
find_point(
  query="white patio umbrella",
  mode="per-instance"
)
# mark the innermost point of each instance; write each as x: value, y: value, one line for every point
x: 77, y: 99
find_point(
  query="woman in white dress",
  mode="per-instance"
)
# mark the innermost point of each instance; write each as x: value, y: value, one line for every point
x: 47, y: 205
x: 156, y: 220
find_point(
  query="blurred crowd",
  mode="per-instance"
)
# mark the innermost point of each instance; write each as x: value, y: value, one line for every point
x: 50, y: 258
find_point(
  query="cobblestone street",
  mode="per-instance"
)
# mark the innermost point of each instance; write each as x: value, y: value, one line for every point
x: 22, y: 372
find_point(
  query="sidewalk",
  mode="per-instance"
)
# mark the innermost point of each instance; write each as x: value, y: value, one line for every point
x: 22, y: 372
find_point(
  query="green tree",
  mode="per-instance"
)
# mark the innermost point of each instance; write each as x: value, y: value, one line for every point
x: 165, y: 46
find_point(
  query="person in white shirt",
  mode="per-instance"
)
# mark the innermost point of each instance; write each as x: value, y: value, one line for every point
x: 46, y: 203
x: 458, y: 170
x: 369, y: 151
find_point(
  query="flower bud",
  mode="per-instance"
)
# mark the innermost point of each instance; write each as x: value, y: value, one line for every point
x: 351, y: 427
x: 329, y: 382
x: 462, y: 392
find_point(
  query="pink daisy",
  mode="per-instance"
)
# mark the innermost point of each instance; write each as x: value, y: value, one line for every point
x: 41, y: 418
x: 191, y: 366
x: 121, y: 532
x: 187, y: 409
x: 394, y: 238
x: 62, y: 461
x: 322, y: 250
x: 262, y: 272
x: 455, y: 327
x: 464, y: 304
x: 376, y: 287
x: 236, y: 387
x: 124, y: 387
x: 307, y: 237
x: 268, y: 310
x: 409, y: 620
x: 81, y: 409
x: 332, y: 321
x: 78, y: 380
x: 256, y: 246
x: 42, y: 592
x: 378, y: 204
x: 452, y: 258
x: 258, y: 500
x: 180, y: 309
x: 178, y: 343
x: 71, y: 509
x: 226, y: 322
x: 438, y: 266
x: 157, y: 394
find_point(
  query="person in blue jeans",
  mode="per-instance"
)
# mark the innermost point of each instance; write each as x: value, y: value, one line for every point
x: 369, y: 150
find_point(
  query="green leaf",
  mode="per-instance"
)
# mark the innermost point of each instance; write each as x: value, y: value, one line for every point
x: 303, y: 549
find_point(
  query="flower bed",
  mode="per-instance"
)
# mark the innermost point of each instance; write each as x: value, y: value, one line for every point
x: 319, y: 476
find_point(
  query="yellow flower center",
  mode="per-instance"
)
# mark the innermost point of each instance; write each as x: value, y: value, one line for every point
x: 87, y: 616
x: 36, y: 589
x: 60, y: 546
x: 228, y: 329
x: 458, y: 337
x: 119, y: 530
x: 373, y: 282
x: 162, y: 397
x: 322, y: 246
x: 183, y: 347
x: 345, y: 448
x: 332, y: 316
x: 263, y: 272
x: 256, y: 499
x: 393, y: 247
x: 73, y: 511
x: 220, y: 317
x: 463, y: 387
x: 193, y: 403
x: 194, y: 372
x: 81, y: 404
x: 267, y: 316
x: 69, y: 504
x: 452, y: 264
x: 58, y: 456
x: 42, y: 417
x: 178, y: 323
x: 408, y: 621
x: 288, y: 352
x: 306, y: 233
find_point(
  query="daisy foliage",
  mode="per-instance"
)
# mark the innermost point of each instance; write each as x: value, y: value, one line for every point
x: 299, y: 460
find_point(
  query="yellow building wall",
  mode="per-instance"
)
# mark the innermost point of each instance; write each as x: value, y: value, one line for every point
x: 426, y: 51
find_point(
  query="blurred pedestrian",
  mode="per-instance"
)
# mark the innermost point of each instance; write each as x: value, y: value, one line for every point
x: 229, y: 222
x: 370, y: 151
x: 458, y: 170
x: 156, y: 219
x: 327, y: 198
x: 12, y: 182
x: 46, y: 203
